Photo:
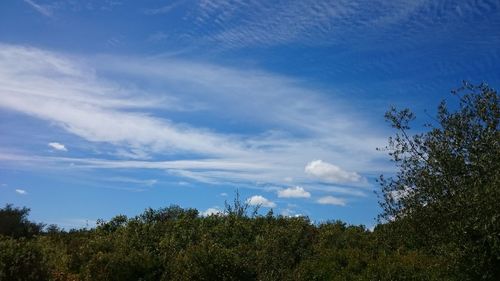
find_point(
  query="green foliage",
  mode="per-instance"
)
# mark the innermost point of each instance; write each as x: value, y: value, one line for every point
x: 178, y: 244
x: 14, y: 222
x: 21, y: 260
x: 445, y: 195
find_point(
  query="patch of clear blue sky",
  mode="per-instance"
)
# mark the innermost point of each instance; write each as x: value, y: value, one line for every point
x: 356, y: 57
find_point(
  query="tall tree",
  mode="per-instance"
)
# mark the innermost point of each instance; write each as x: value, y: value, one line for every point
x: 14, y: 222
x: 446, y: 192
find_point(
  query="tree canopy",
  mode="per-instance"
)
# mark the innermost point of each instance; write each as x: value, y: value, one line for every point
x: 446, y: 192
x: 14, y: 222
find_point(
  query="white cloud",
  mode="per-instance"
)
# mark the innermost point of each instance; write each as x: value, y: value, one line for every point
x: 204, y: 164
x: 223, y: 194
x: 144, y: 182
x: 63, y: 92
x: 68, y: 92
x: 21, y: 191
x: 162, y: 10
x: 331, y: 173
x: 133, y: 153
x: 293, y: 192
x: 330, y: 200
x: 57, y: 146
x: 70, y: 95
x: 211, y: 211
x: 258, y: 200
x: 257, y: 23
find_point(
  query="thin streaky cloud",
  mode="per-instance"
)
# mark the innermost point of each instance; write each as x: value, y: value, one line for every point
x: 87, y: 111
x: 309, y: 22
x: 144, y: 182
x: 71, y: 96
x: 162, y: 10
x: 250, y: 175
x: 313, y: 23
x: 331, y: 200
x: 44, y: 10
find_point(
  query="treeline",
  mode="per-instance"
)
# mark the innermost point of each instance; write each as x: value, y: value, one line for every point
x: 440, y: 221
x: 179, y: 244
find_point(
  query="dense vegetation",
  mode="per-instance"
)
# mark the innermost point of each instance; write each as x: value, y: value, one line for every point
x: 440, y: 221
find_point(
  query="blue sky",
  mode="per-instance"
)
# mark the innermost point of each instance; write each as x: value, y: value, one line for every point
x: 110, y: 107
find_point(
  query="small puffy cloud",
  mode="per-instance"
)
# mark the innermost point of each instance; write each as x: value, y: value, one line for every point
x: 329, y: 172
x: 223, y: 194
x: 293, y: 192
x: 21, y: 191
x: 258, y: 200
x: 330, y: 200
x: 211, y: 211
x: 57, y: 146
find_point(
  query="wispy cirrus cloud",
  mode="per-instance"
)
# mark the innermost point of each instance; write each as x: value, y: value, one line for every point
x: 331, y: 200
x: 61, y: 92
x: 162, y: 10
x: 407, y: 24
x: 257, y: 23
x: 42, y: 9
x: 143, y: 182
x: 296, y: 123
